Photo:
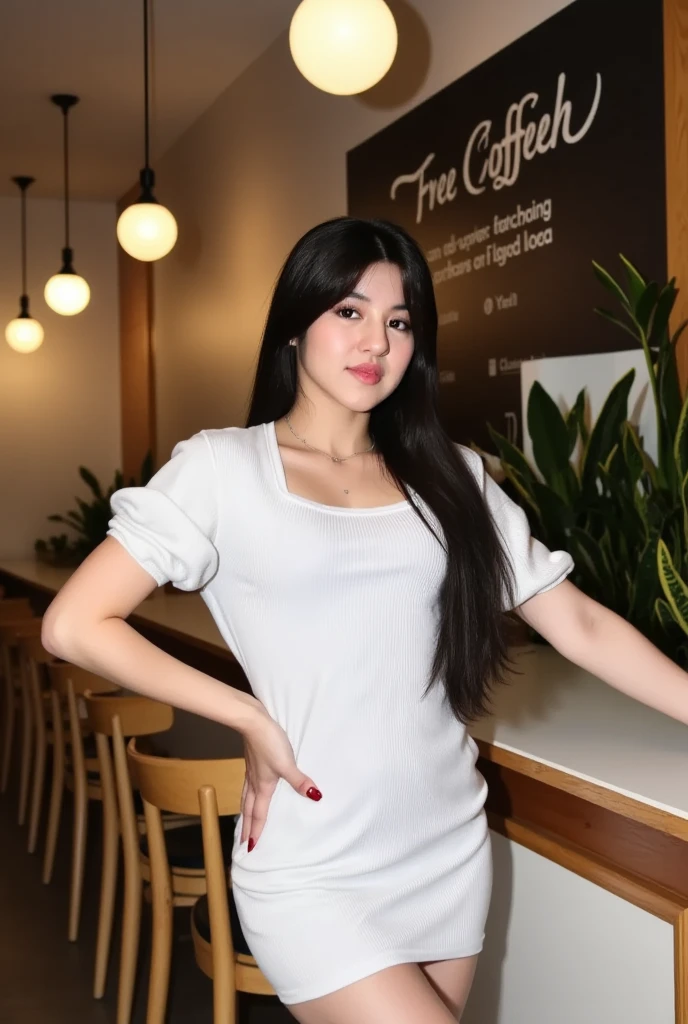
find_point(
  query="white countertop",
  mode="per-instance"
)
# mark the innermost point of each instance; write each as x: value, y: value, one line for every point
x: 553, y: 712
x: 185, y: 614
x: 561, y: 716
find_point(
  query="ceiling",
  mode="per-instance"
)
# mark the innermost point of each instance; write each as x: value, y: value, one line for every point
x: 94, y: 49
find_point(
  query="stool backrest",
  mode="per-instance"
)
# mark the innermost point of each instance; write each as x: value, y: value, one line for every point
x: 111, y: 718
x: 138, y: 716
x: 183, y: 786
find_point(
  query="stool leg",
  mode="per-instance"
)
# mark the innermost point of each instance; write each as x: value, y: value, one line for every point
x: 8, y: 729
x: 131, y: 928
x: 41, y: 744
x: 27, y: 743
x: 78, y: 853
x: 57, y: 790
x: 161, y: 898
x: 108, y: 882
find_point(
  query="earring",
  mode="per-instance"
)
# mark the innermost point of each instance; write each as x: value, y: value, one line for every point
x: 293, y: 341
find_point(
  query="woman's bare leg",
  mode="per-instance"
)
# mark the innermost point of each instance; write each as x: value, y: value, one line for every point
x: 452, y: 980
x: 396, y: 995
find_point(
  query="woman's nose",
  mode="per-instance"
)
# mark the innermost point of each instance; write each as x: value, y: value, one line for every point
x: 375, y: 339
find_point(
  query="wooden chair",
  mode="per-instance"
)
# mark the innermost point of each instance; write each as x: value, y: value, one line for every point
x: 34, y: 659
x: 113, y: 718
x: 184, y: 786
x: 12, y: 610
x: 10, y: 634
x: 75, y: 767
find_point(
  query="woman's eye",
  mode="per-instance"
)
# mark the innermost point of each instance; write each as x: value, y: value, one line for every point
x: 345, y: 312
x: 402, y: 325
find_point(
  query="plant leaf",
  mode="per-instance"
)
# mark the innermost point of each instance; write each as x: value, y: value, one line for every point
x: 636, y: 281
x: 608, y: 282
x: 606, y: 431
x: 91, y: 481
x: 619, y: 323
x: 549, y: 435
x: 674, y: 587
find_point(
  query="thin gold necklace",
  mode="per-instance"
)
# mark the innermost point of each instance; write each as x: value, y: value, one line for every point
x: 333, y: 458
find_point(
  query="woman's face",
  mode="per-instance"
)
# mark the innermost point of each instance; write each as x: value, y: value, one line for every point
x: 357, y: 352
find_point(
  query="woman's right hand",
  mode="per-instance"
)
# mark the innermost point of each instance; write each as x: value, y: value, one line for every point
x: 269, y: 757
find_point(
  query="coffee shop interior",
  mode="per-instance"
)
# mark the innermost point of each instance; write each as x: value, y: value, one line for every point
x: 158, y: 161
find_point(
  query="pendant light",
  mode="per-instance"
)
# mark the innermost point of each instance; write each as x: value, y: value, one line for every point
x: 66, y: 293
x: 343, y: 46
x: 24, y: 334
x: 146, y: 230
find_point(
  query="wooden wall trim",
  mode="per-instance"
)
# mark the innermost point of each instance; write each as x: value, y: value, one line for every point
x: 655, y: 817
x: 137, y: 364
x: 654, y: 899
x: 676, y: 143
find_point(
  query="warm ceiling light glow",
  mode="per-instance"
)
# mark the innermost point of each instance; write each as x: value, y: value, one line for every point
x: 343, y: 46
x: 67, y: 294
x: 24, y: 334
x: 147, y: 231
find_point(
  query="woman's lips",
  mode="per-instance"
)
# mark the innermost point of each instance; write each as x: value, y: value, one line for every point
x: 367, y: 373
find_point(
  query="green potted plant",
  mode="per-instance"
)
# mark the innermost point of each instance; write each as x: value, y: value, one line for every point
x: 597, y: 493
x: 89, y: 520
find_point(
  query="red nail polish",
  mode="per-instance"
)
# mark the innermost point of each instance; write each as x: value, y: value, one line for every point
x: 314, y: 793
x: 251, y: 843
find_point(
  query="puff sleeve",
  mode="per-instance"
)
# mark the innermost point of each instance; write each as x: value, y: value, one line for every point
x: 169, y: 526
x: 535, y: 568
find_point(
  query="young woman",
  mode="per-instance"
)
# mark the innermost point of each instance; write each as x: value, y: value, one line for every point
x: 358, y: 564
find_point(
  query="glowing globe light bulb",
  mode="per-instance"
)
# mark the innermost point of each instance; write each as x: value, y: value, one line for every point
x: 24, y: 334
x: 343, y: 46
x: 147, y: 231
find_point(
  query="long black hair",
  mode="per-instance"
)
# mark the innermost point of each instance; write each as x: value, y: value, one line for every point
x: 323, y: 269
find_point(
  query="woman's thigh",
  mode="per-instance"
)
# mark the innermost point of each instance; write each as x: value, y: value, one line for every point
x: 397, y: 995
x: 452, y: 980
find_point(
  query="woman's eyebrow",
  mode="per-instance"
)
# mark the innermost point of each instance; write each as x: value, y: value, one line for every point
x: 364, y: 298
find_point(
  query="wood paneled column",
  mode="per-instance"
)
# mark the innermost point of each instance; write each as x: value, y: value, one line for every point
x: 676, y: 127
x: 137, y: 363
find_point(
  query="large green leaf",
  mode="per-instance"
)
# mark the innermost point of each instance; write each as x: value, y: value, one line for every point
x: 636, y: 281
x: 550, y: 439
x: 645, y: 307
x: 660, y: 321
x: 608, y: 282
x: 664, y: 616
x: 633, y: 454
x: 629, y: 328
x: 512, y: 456
x: 674, y: 587
x: 606, y: 432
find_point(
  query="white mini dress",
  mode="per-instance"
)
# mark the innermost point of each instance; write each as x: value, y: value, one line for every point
x: 332, y: 614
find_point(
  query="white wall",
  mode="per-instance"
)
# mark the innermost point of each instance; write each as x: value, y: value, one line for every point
x: 561, y: 950
x: 59, y: 406
x: 265, y: 163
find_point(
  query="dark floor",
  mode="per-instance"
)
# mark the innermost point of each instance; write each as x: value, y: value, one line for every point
x: 45, y: 978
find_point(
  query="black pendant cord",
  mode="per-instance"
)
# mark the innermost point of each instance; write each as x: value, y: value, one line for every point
x: 65, y: 102
x: 23, y: 183
x: 23, y: 239
x: 145, y: 87
x: 66, y: 177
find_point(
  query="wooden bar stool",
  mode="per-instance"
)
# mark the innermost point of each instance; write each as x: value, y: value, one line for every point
x: 112, y: 718
x: 34, y: 659
x: 76, y: 767
x: 10, y: 632
x: 12, y: 610
x: 215, y: 788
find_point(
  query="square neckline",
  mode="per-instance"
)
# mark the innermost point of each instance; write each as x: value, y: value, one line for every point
x: 281, y: 482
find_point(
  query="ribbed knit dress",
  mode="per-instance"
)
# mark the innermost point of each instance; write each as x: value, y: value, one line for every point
x: 332, y: 614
